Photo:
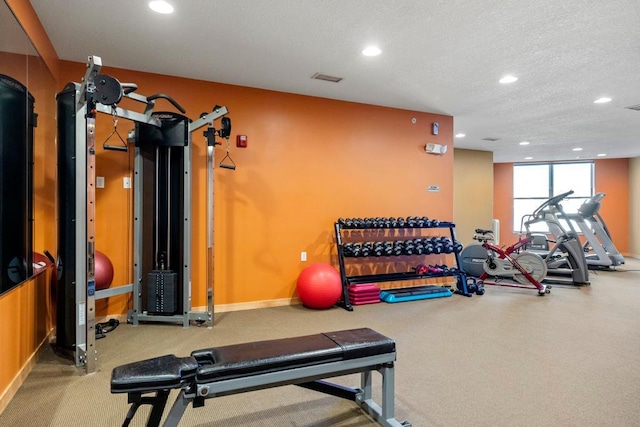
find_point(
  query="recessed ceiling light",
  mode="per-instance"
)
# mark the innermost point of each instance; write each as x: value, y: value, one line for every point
x: 460, y: 135
x: 161, y: 6
x: 577, y: 149
x: 602, y: 100
x: 528, y: 158
x: 508, y: 79
x: 525, y: 143
x: 602, y: 155
x: 371, y: 51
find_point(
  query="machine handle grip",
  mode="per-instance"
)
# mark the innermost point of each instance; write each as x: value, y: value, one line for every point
x: 168, y: 98
x: 127, y: 88
x: 115, y: 147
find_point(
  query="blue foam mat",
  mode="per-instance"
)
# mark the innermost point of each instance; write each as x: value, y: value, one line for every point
x: 414, y: 294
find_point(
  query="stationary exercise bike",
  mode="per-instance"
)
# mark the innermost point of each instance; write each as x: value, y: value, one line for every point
x: 484, y: 260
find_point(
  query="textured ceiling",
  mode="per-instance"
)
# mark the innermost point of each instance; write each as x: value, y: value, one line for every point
x: 442, y: 56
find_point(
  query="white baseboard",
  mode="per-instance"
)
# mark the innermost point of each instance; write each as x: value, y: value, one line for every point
x: 224, y: 308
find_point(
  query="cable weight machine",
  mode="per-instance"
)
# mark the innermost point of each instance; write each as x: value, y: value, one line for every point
x: 162, y: 250
x: 162, y: 247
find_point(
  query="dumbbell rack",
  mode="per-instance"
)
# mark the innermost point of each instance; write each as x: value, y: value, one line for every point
x: 391, y: 230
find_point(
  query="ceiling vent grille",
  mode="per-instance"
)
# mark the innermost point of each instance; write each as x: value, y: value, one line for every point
x: 633, y: 107
x: 491, y: 139
x: 326, y: 78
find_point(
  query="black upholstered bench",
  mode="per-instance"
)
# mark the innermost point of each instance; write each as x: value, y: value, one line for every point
x: 303, y: 361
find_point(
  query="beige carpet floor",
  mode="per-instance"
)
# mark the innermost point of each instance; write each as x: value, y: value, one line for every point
x: 508, y: 358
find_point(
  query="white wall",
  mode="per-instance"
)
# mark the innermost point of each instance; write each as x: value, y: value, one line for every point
x: 472, y: 192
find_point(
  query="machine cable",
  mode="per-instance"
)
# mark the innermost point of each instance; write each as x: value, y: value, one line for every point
x: 122, y: 147
x: 224, y: 165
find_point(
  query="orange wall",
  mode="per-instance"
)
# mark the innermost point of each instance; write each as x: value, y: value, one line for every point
x: 33, y: 27
x: 15, y: 66
x: 25, y: 324
x: 309, y: 161
x: 611, y: 178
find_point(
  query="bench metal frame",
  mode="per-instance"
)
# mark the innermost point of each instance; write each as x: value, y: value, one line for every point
x: 307, y: 376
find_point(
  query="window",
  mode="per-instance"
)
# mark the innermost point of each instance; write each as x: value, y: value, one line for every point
x: 533, y: 184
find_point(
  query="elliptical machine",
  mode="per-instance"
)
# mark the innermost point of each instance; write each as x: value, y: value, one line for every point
x: 565, y: 259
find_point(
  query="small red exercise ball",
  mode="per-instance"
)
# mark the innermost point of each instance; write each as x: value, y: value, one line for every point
x: 103, y: 270
x: 319, y: 286
x: 40, y: 262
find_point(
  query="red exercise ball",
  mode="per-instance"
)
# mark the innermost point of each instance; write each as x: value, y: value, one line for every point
x: 103, y: 271
x: 319, y: 286
x: 40, y: 262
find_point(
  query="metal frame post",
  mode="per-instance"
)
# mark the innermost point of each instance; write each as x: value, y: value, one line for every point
x: 186, y: 247
x: 138, y: 170
x: 85, y: 350
x: 210, y: 231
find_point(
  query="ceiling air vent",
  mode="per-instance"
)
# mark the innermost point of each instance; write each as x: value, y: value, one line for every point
x: 633, y: 107
x: 490, y: 139
x: 325, y: 77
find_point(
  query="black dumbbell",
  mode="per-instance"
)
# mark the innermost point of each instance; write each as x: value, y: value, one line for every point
x: 422, y: 222
x: 447, y: 245
x: 457, y: 247
x: 419, y: 246
x: 438, y: 247
x: 454, y: 270
x: 433, y: 223
x: 401, y: 222
x: 411, y: 221
x: 356, y: 249
x: 378, y: 249
x: 367, y: 248
x: 347, y: 249
x: 388, y: 248
x: 428, y: 246
x: 398, y: 247
x: 409, y: 248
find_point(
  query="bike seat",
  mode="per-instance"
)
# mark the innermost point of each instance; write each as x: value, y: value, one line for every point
x: 483, y: 231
